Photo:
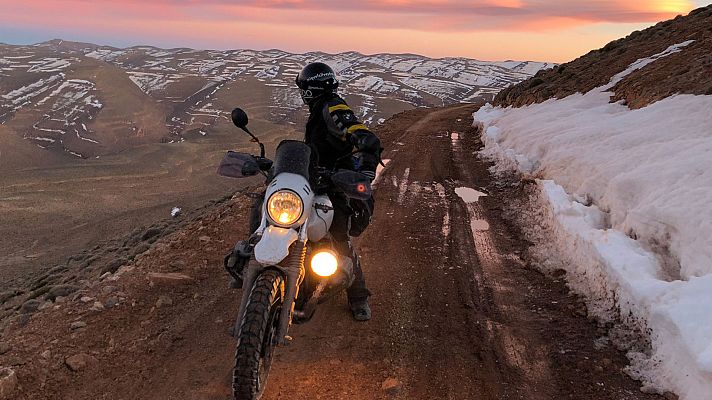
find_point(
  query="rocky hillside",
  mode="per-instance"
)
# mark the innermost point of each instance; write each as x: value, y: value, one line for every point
x: 687, y: 72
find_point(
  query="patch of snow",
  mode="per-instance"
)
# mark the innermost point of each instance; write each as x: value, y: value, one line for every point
x: 49, y: 65
x: 20, y: 96
x: 626, y: 205
x: 676, y: 48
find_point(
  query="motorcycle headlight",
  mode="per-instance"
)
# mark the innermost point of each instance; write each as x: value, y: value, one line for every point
x: 285, y: 207
x: 324, y: 263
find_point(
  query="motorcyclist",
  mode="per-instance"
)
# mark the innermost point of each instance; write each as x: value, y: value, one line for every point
x: 334, y: 133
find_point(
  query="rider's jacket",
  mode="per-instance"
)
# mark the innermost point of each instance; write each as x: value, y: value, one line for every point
x: 332, y: 131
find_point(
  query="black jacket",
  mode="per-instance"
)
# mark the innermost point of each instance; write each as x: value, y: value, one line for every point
x: 333, y: 131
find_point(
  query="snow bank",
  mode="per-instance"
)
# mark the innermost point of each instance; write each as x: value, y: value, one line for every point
x: 613, y: 174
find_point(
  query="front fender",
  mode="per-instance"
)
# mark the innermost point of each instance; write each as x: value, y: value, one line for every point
x: 274, y: 245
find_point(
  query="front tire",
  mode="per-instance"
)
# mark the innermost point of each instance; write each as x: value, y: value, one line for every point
x: 256, y: 341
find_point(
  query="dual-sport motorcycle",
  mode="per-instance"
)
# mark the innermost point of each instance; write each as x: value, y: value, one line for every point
x: 288, y: 265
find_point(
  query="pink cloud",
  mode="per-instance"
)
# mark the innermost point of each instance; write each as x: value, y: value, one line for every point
x: 441, y: 27
x: 423, y: 15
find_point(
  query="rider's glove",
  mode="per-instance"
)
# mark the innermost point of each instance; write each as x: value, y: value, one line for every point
x: 365, y: 141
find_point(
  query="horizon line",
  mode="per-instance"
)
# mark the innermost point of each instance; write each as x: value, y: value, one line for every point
x: 285, y: 51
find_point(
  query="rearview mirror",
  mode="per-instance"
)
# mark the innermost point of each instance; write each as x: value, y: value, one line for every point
x: 239, y: 118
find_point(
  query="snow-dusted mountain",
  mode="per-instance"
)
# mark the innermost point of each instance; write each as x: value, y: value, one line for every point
x: 87, y: 99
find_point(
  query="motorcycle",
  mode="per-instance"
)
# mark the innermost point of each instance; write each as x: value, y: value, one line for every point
x: 288, y: 265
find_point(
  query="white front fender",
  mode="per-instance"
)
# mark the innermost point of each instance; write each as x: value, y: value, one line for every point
x: 273, y: 247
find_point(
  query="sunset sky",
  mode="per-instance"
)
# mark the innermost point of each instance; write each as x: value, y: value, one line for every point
x: 542, y: 30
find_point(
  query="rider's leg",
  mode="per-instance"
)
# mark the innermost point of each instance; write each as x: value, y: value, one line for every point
x: 358, y: 292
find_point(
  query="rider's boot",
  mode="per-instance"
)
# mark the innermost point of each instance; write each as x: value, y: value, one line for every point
x: 360, y: 309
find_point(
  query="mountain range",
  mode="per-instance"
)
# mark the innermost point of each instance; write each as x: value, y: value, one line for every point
x: 86, y: 100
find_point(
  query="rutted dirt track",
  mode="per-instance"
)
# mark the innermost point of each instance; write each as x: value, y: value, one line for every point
x: 457, y: 314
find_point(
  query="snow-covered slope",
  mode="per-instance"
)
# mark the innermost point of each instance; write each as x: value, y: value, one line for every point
x: 625, y: 196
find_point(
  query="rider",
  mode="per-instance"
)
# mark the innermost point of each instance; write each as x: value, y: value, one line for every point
x: 334, y: 132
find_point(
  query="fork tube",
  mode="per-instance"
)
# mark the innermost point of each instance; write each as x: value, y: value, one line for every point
x: 294, y: 269
x: 251, y: 273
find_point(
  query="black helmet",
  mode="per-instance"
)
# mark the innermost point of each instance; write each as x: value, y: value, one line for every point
x: 316, y: 80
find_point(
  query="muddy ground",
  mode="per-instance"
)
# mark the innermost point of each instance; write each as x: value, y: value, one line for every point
x: 458, y: 311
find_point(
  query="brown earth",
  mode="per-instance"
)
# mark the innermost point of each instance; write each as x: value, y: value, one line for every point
x: 458, y: 313
x: 60, y: 207
x: 686, y: 72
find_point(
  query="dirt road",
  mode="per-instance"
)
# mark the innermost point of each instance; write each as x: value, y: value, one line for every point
x: 457, y: 314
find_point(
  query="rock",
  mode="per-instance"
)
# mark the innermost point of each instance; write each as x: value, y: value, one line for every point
x: 40, y: 282
x: 97, y: 306
x: 114, y: 265
x: 109, y: 289
x: 559, y: 273
x: 60, y: 300
x: 581, y: 310
x: 60, y: 291
x: 391, y: 386
x: 141, y: 248
x: 30, y: 306
x: 164, y: 301
x: 169, y: 278
x: 89, y: 261
x: 151, y: 232
x: 77, y: 325
x: 44, y: 305
x: 111, y: 302
x: 46, y: 354
x: 5, y: 296
x: 177, y: 264
x: 4, y: 348
x: 79, y: 361
x: 86, y: 299
x: 204, y: 239
x: 24, y: 319
x: 8, y: 383
x: 62, y: 268
x: 39, y: 292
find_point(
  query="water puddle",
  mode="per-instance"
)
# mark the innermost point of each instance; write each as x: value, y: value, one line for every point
x: 479, y: 225
x: 469, y: 195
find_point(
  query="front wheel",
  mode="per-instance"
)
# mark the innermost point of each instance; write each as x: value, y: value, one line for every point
x: 256, y: 341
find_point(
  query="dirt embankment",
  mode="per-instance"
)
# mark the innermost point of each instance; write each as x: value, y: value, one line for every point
x: 459, y: 312
x: 688, y: 72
